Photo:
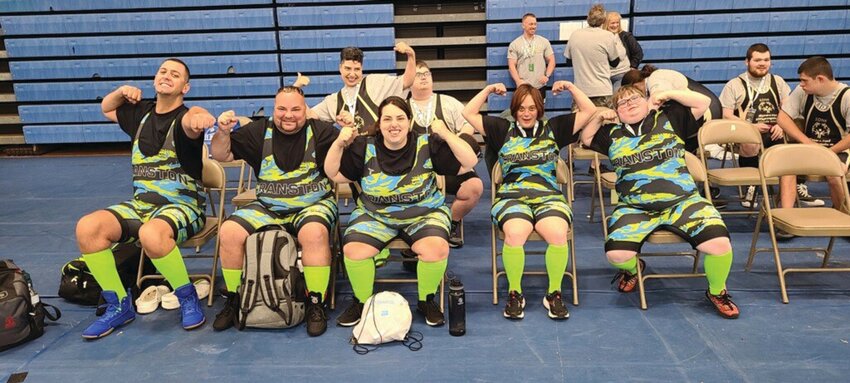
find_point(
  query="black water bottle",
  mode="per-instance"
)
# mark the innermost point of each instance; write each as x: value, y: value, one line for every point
x: 457, y: 308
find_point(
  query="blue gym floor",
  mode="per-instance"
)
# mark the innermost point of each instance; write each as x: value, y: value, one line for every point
x: 607, y: 338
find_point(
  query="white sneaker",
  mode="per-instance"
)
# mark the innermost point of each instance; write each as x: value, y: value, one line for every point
x: 170, y: 302
x: 149, y: 299
x: 805, y: 198
x: 749, y: 199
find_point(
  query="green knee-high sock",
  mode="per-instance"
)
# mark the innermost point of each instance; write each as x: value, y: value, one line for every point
x: 361, y: 274
x: 102, y: 267
x: 317, y: 278
x: 557, y: 257
x: 232, y: 279
x: 171, y: 266
x: 429, y: 275
x: 513, y: 257
x: 717, y: 270
x: 630, y: 265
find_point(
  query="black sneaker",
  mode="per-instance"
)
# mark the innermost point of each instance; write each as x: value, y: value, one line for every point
x: 555, y: 305
x: 315, y: 316
x: 514, y: 307
x: 229, y: 315
x: 455, y: 240
x: 409, y: 266
x: 351, y: 315
x: 431, y: 311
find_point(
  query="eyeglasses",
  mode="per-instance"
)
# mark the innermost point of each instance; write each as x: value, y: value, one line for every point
x: 423, y: 75
x: 631, y: 100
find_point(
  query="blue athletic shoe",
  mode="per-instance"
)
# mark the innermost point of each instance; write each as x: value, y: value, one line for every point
x: 190, y: 306
x: 117, y: 314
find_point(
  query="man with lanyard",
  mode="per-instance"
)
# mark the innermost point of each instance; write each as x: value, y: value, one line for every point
x: 756, y: 96
x: 168, y: 203
x: 531, y: 59
x: 287, y: 155
x: 361, y: 94
x: 824, y: 106
x: 427, y: 107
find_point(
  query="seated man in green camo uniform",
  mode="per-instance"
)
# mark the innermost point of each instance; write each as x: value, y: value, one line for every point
x: 397, y: 170
x: 647, y: 149
x: 168, y: 199
x: 287, y: 154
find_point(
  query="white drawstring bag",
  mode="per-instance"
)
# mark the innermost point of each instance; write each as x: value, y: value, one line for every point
x: 386, y: 318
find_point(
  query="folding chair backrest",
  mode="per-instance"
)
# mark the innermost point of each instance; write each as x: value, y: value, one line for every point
x: 728, y: 132
x: 213, y: 176
x: 695, y: 167
x: 800, y: 159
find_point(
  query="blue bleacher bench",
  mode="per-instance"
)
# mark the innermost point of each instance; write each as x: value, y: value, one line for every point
x: 141, y: 67
x: 149, y: 44
x: 325, y: 16
x: 166, y: 21
x: 337, y: 38
x: 329, y: 61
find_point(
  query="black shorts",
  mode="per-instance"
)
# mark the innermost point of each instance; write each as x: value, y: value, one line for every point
x: 453, y: 182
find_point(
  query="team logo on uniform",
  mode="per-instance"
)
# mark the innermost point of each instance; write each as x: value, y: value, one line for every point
x: 3, y: 294
x: 765, y: 106
x: 359, y: 124
x: 820, y: 129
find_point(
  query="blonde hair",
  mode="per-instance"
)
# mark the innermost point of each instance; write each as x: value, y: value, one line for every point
x: 596, y: 15
x: 613, y: 16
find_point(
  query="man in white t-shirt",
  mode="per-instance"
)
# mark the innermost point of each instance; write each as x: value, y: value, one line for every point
x: 756, y: 96
x: 531, y: 59
x: 360, y: 96
x: 593, y: 52
x: 824, y: 106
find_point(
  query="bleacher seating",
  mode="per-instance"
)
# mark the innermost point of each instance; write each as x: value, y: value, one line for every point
x: 323, y: 16
x: 141, y: 67
x: 329, y: 61
x: 165, y: 21
x: 65, y: 55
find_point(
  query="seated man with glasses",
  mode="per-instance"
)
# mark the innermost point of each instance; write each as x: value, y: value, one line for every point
x: 428, y: 107
x: 645, y: 140
x: 287, y: 154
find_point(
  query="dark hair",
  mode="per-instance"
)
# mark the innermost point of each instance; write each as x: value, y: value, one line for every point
x: 398, y: 102
x: 179, y: 61
x: 635, y: 76
x: 422, y: 63
x: 519, y: 96
x: 290, y: 89
x: 815, y: 66
x: 351, y: 53
x: 757, y: 47
x: 529, y: 14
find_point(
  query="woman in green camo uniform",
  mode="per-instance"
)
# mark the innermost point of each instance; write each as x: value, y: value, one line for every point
x: 529, y: 197
x: 645, y: 140
x: 397, y: 171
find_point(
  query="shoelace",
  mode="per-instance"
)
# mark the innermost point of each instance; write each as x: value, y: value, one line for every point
x: 188, y: 308
x: 803, y: 190
x: 228, y: 308
x: 111, y: 311
x: 316, y: 312
x: 625, y: 275
x: 514, y: 300
x: 724, y: 299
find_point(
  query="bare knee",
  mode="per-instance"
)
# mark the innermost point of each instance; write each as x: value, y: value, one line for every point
x: 232, y: 242
x: 431, y: 249
x: 620, y: 256
x: 157, y: 238
x: 471, y: 190
x: 97, y: 231
x: 315, y: 243
x: 716, y: 246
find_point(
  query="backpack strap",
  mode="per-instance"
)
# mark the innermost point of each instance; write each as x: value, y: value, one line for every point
x: 267, y: 275
x: 52, y: 316
x: 266, y: 270
x: 250, y: 275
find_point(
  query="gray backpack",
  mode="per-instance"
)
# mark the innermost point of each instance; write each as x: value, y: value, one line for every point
x: 273, y: 291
